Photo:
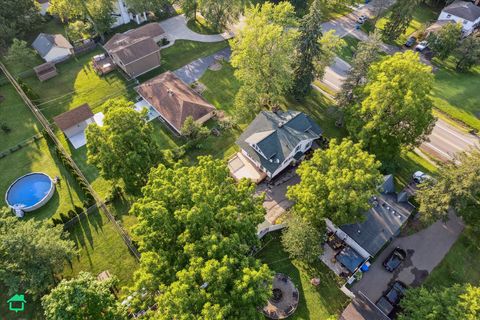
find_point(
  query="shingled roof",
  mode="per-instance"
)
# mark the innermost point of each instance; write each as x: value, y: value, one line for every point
x: 276, y: 134
x: 45, y: 42
x: 173, y: 99
x: 73, y: 117
x: 135, y: 44
x: 463, y: 9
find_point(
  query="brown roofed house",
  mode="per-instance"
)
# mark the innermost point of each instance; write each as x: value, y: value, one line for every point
x: 175, y: 101
x: 73, y: 124
x: 136, y: 51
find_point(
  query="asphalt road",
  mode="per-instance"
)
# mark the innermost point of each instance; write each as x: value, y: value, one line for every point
x: 447, y: 140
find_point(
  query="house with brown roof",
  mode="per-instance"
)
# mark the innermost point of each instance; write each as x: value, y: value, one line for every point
x: 136, y: 51
x: 175, y: 101
x: 73, y: 124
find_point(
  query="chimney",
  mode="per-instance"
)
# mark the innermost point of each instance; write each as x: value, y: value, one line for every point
x: 170, y: 92
x: 477, y: 2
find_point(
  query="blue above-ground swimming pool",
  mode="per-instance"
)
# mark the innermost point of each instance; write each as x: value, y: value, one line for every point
x: 30, y: 191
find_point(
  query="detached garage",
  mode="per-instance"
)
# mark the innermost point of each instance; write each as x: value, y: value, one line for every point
x: 53, y: 47
x: 73, y: 124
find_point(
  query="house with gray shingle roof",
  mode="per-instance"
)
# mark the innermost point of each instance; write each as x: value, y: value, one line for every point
x: 274, y: 140
x: 52, y: 47
x: 463, y: 12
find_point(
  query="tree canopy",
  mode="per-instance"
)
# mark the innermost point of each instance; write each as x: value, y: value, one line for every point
x: 307, y: 49
x: 17, y: 18
x: 262, y: 54
x: 83, y: 297
x: 220, y: 13
x: 195, y: 229
x: 445, y: 40
x: 31, y: 252
x: 399, y: 18
x: 336, y: 184
x: 97, y: 12
x: 467, y: 54
x: 397, y: 110
x: 459, y: 302
x: 123, y: 148
x: 302, y: 240
x: 457, y: 186
x: 21, y: 53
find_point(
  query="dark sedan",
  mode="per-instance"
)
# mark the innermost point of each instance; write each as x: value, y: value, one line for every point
x: 395, y: 259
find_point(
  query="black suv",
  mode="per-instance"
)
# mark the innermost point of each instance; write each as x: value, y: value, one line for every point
x: 395, y: 259
x: 390, y: 300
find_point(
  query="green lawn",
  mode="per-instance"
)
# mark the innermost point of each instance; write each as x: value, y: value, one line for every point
x: 101, y: 248
x: 346, y: 52
x: 422, y: 15
x: 460, y: 265
x: 201, y: 26
x: 40, y: 157
x: 316, y: 303
x: 76, y: 84
x: 16, y: 115
x: 456, y: 94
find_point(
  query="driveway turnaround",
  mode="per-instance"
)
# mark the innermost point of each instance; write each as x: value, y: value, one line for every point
x: 176, y: 28
x: 195, y: 69
x: 425, y: 250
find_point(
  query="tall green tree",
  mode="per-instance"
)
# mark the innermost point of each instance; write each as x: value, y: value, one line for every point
x: 228, y: 288
x: 83, y: 297
x: 445, y: 40
x: 467, y: 54
x: 20, y: 53
x: 302, y: 240
x: 221, y: 13
x: 196, y: 227
x: 140, y: 6
x: 330, y: 44
x: 400, y: 17
x: 31, y: 252
x: 79, y: 30
x: 397, y: 110
x: 17, y: 18
x: 307, y: 50
x: 123, y: 148
x: 189, y: 8
x: 459, y: 302
x: 262, y: 54
x: 336, y: 184
x: 368, y: 52
x: 97, y: 12
x: 457, y: 187
x: 300, y: 6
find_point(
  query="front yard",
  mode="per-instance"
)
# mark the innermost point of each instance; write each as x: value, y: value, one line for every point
x: 320, y: 302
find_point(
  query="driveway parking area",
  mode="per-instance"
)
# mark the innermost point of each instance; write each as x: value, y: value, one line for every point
x: 425, y: 250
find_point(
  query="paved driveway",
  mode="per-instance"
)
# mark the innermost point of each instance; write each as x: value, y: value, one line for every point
x: 176, y: 28
x: 425, y: 250
x: 195, y: 69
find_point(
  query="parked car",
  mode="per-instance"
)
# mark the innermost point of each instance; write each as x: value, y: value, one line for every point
x: 420, y: 177
x: 421, y: 46
x: 362, y: 19
x: 394, y: 259
x: 390, y: 300
x: 410, y: 41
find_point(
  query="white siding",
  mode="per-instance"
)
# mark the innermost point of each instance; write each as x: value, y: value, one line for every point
x: 57, y: 54
x: 467, y: 26
x: 44, y: 7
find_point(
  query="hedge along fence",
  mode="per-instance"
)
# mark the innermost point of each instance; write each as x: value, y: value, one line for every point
x: 72, y: 217
x: 20, y: 145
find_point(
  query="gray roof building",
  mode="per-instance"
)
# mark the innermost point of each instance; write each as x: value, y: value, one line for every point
x: 44, y: 43
x: 273, y: 137
x: 383, y: 221
x: 463, y: 9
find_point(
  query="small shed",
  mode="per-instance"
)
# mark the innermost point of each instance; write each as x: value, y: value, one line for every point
x: 73, y: 124
x: 53, y: 47
x: 46, y: 71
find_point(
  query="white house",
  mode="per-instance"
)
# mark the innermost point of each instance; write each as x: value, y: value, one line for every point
x: 274, y: 140
x: 73, y: 124
x: 463, y: 12
x: 124, y: 15
x: 52, y: 47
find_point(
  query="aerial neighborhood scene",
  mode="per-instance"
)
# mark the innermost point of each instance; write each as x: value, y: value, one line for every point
x: 240, y: 159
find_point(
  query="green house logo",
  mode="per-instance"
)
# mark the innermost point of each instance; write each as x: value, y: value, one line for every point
x: 17, y: 303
